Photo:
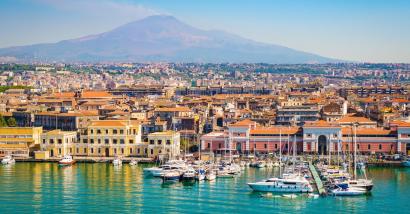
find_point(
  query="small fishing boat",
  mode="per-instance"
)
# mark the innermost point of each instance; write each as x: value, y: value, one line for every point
x: 8, y: 160
x: 117, y: 161
x: 67, y: 160
x: 133, y: 162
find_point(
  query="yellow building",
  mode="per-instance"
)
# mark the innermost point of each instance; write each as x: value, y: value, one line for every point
x: 58, y: 143
x: 19, y: 142
x: 110, y: 138
x: 163, y: 145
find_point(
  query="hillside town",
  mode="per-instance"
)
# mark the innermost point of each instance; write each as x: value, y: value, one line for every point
x: 163, y: 111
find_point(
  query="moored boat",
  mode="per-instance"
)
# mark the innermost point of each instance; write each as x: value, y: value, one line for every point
x: 117, y: 161
x: 8, y: 160
x: 67, y: 160
x: 295, y: 184
x: 133, y: 162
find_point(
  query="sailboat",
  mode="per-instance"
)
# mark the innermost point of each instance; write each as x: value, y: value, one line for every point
x: 289, y: 183
x: 353, y: 187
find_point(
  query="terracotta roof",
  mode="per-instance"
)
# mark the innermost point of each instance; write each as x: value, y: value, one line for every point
x: 245, y: 122
x: 320, y: 123
x: 399, y: 123
x: 275, y: 130
x: 366, y: 131
x: 109, y: 123
x: 351, y: 119
x: 95, y: 94
x: 400, y: 100
x: 64, y: 95
x: 174, y: 109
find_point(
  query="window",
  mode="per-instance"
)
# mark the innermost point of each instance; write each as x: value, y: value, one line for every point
x: 92, y: 141
x: 92, y: 150
x: 122, y: 150
x: 130, y: 150
x: 209, y: 145
x: 106, y: 141
x: 152, y: 151
x: 115, y: 151
x: 266, y: 146
x: 380, y: 146
x: 122, y: 141
x: 78, y: 151
x: 391, y: 147
x: 114, y: 131
x: 121, y: 131
x: 168, y: 142
x: 368, y: 147
x: 308, y: 135
x: 51, y: 141
x: 84, y: 140
x: 219, y: 145
x: 276, y: 146
x: 151, y: 141
x: 71, y: 150
x: 85, y: 150
x: 159, y: 142
x: 133, y: 131
x: 131, y: 141
x: 254, y: 145
x: 358, y: 146
x: 106, y: 131
x: 99, y: 141
x: 114, y: 141
x: 59, y: 151
x: 92, y: 131
x: 98, y: 131
x: 99, y: 150
x: 138, y: 150
x: 145, y: 151
x: 44, y: 141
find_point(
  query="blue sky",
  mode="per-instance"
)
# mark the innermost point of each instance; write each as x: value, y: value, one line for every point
x: 360, y: 30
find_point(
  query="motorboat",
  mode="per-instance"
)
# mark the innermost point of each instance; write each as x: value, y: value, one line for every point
x: 133, y: 162
x: 210, y: 176
x: 117, y: 161
x: 347, y: 190
x: 200, y: 175
x: 361, y: 183
x: 173, y: 164
x: 261, y: 164
x: 406, y: 163
x: 361, y: 165
x: 8, y: 159
x: 189, y: 175
x: 171, y: 175
x: 67, y: 160
x: 289, y: 183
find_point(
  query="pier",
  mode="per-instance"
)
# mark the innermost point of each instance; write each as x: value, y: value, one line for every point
x: 317, y: 179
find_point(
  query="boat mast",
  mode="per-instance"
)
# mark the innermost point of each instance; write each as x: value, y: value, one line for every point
x: 355, y: 150
x: 280, y: 152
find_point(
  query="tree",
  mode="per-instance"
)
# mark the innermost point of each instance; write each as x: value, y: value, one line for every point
x: 3, y: 122
x: 11, y: 122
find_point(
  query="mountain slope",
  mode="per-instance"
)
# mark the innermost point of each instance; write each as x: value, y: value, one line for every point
x: 161, y: 38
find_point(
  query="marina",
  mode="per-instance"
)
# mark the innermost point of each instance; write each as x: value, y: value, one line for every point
x: 34, y: 187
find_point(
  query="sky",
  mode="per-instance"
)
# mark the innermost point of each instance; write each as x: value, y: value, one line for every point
x: 356, y: 30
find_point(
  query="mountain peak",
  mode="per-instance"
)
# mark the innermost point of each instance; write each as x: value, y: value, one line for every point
x: 161, y: 38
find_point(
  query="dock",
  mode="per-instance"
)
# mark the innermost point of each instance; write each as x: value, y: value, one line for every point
x: 317, y: 179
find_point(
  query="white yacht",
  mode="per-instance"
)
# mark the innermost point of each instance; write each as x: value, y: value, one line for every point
x: 8, y: 160
x: 117, y: 161
x: 406, y: 163
x: 200, y: 175
x: 67, y: 160
x: 295, y: 184
x: 210, y: 176
x: 347, y: 190
x: 189, y: 175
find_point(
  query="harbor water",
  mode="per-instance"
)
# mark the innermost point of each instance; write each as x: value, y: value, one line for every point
x: 100, y: 187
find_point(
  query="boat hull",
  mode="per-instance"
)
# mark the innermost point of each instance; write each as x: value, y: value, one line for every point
x: 274, y: 188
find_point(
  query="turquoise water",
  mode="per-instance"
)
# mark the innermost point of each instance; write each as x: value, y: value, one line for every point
x: 92, y: 188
